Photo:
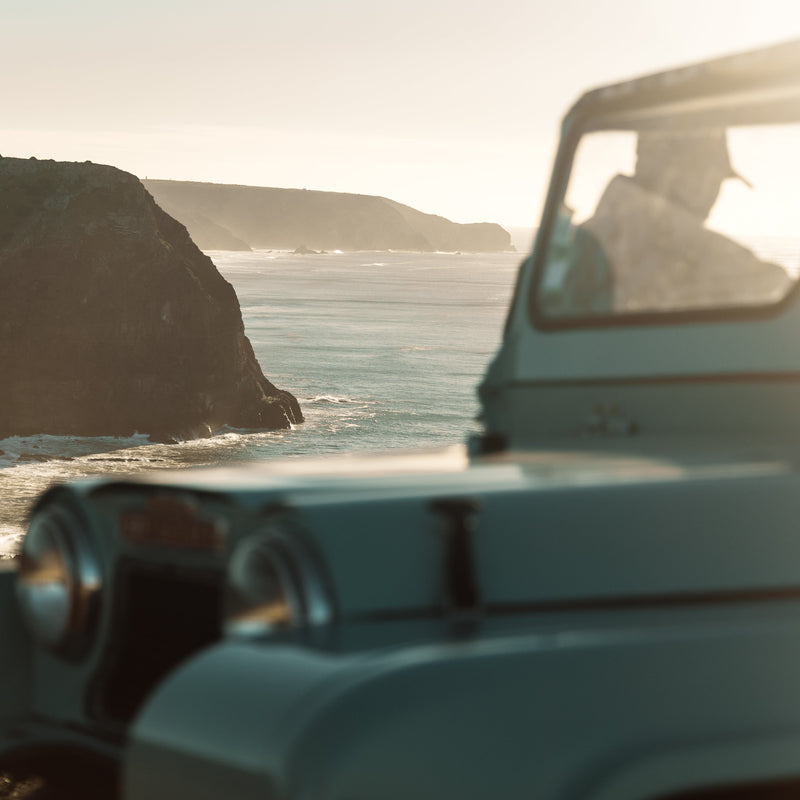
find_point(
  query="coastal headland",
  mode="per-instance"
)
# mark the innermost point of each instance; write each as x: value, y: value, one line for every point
x: 230, y: 217
x: 112, y: 321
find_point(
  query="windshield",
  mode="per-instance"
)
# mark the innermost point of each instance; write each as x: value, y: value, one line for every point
x: 675, y: 214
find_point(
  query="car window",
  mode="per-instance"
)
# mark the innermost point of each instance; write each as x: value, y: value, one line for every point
x: 675, y: 218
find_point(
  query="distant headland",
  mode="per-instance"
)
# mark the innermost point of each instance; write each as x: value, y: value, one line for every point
x: 228, y: 217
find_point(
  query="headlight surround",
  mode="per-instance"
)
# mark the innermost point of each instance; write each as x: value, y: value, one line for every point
x: 275, y: 584
x: 59, y: 581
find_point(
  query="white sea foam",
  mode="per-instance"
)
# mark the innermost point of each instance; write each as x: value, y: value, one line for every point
x: 10, y: 540
x: 328, y: 398
x: 16, y: 450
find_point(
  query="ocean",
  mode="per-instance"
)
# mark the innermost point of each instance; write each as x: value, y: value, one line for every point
x: 383, y: 351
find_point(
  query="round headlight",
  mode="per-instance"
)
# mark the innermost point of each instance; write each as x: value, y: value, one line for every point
x: 274, y: 583
x: 59, y: 580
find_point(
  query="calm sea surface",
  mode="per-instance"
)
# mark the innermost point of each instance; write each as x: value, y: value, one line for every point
x: 383, y: 350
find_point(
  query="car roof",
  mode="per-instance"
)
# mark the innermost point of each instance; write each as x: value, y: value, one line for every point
x: 774, y: 65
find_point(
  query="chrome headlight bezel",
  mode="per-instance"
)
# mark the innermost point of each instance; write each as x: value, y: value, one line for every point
x: 275, y: 583
x: 59, y: 581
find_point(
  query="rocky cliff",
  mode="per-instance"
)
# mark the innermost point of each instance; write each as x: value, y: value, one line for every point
x: 111, y: 319
x: 218, y: 216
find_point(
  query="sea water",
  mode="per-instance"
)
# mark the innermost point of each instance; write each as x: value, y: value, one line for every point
x: 382, y: 350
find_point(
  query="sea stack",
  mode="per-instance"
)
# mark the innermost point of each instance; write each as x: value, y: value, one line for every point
x: 112, y: 321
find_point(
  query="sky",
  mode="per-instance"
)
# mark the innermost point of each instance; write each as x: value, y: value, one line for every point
x: 450, y: 106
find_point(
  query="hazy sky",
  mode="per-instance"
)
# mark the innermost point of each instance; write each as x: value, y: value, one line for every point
x: 450, y: 106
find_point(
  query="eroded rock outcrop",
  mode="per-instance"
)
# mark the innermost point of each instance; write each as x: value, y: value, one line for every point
x: 112, y: 320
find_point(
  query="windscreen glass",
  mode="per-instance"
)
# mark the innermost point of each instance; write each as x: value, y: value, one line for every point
x: 675, y: 217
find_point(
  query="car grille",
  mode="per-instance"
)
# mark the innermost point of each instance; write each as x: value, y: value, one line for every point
x: 161, y: 616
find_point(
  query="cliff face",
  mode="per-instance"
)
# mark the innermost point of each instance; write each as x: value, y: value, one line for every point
x: 111, y: 319
x: 290, y: 218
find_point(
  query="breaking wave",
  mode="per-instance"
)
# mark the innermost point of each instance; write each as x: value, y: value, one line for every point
x: 17, y: 450
x: 329, y: 398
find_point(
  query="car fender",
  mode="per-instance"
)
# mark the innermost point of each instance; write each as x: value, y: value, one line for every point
x: 474, y: 718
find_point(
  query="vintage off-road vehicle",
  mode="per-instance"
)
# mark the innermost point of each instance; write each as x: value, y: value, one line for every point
x: 599, y: 597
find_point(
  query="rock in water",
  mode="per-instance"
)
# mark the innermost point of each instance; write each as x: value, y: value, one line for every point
x: 112, y: 321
